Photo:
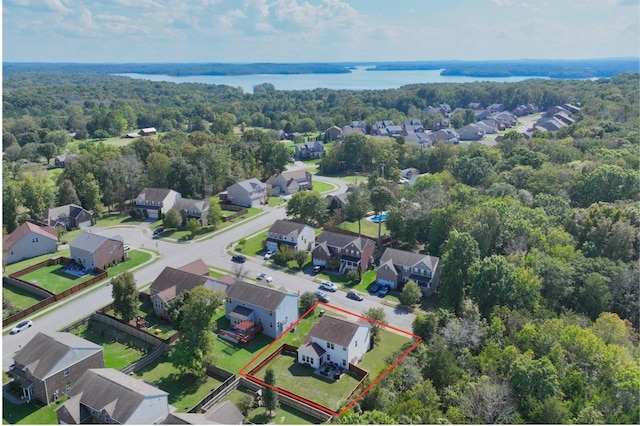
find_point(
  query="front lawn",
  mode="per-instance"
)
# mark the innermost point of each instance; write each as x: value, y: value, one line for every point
x: 120, y: 349
x: 116, y: 219
x: 185, y: 390
x: 323, y: 187
x: 284, y: 415
x: 136, y: 258
x: 253, y: 246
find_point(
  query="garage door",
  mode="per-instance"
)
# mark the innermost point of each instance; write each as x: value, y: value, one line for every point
x: 84, y: 224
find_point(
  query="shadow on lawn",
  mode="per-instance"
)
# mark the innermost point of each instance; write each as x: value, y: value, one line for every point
x: 180, y: 385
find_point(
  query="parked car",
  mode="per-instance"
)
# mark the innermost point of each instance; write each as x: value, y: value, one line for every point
x: 21, y: 326
x: 316, y: 269
x: 127, y: 247
x: 240, y: 258
x: 328, y: 285
x: 263, y: 276
x: 158, y: 230
x: 269, y: 254
x: 384, y: 290
x: 322, y: 296
x: 374, y: 288
x: 355, y: 295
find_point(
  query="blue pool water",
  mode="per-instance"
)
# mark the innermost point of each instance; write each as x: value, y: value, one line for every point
x: 381, y: 218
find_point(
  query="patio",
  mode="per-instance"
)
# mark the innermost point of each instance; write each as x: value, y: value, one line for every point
x: 329, y: 370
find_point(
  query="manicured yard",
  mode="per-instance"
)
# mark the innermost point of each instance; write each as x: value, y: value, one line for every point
x: 300, y: 380
x: 284, y: 415
x: 389, y: 342
x: 18, y: 266
x: 53, y: 279
x: 30, y: 413
x: 120, y: 349
x: 276, y: 201
x: 323, y: 187
x: 253, y: 246
x: 116, y: 219
x: 136, y: 258
x: 20, y: 299
x: 233, y: 356
x: 367, y: 228
x: 185, y: 390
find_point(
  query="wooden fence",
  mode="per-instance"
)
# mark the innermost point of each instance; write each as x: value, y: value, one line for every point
x: 218, y: 393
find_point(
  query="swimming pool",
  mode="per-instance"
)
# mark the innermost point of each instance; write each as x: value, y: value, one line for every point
x: 381, y: 218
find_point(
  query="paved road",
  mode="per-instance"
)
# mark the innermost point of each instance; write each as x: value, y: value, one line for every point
x: 213, y: 252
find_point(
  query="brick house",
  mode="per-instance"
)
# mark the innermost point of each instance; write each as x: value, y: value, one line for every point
x: 343, y: 252
x: 193, y: 209
x: 69, y: 216
x: 295, y: 235
x: 399, y: 266
x: 96, y: 251
x: 29, y: 240
x: 50, y: 364
x: 287, y: 183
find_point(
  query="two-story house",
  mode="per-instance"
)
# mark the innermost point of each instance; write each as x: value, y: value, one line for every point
x: 193, y: 209
x: 153, y: 202
x: 309, y: 150
x: 287, y: 183
x: 29, y: 240
x: 50, y: 364
x: 276, y: 310
x: 337, y: 341
x: 247, y: 193
x: 69, y: 216
x: 298, y: 236
x: 343, y: 252
x: 108, y: 396
x: 399, y: 266
x: 96, y: 251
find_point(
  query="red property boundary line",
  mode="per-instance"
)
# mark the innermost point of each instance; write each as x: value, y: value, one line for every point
x: 357, y: 398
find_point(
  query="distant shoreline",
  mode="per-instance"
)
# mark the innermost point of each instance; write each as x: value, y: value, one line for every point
x: 583, y: 68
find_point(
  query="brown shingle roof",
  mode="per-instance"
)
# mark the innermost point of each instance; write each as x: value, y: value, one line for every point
x: 22, y: 230
x: 334, y: 330
x: 197, y: 267
x: 256, y: 295
x: 181, y: 281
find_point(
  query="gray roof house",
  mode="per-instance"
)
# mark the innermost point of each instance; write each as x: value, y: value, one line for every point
x: 445, y: 135
x: 470, y: 132
x: 193, y: 209
x: 276, y: 310
x: 247, y: 193
x: 69, y: 216
x: 51, y: 363
x: 309, y: 150
x: 287, y: 183
x: 105, y: 395
x: 399, y: 266
x: 223, y: 413
x: 333, y: 133
x: 153, y: 202
x: 97, y: 251
x: 298, y: 236
x: 343, y: 252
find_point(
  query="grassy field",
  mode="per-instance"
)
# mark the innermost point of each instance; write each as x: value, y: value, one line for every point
x: 368, y: 228
x: 19, y: 298
x: 284, y: 415
x: 185, y: 390
x: 119, y: 350
x: 54, y: 279
x: 323, y: 187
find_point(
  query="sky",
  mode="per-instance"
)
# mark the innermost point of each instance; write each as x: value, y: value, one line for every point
x: 245, y: 31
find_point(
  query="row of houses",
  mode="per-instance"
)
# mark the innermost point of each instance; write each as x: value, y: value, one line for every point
x: 254, y: 193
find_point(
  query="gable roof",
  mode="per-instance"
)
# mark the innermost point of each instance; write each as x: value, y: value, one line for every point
x: 334, y: 330
x: 334, y: 239
x: 197, y: 267
x: 285, y: 227
x: 24, y: 229
x: 154, y: 194
x: 117, y: 393
x: 47, y: 354
x: 256, y: 295
x: 172, y: 282
x: 249, y: 184
x: 68, y: 210
x: 408, y: 258
x: 90, y: 242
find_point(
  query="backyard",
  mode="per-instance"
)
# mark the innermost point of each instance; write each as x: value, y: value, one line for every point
x: 32, y: 413
x: 284, y: 415
x: 54, y: 279
x: 20, y: 299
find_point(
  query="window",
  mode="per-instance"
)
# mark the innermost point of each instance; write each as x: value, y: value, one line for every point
x: 356, y: 343
x: 344, y: 348
x: 270, y: 325
x: 66, y: 372
x: 68, y: 385
x: 330, y: 345
x: 344, y: 362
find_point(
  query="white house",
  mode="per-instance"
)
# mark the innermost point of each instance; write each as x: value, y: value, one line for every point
x: 247, y: 193
x: 287, y: 183
x: 29, y: 240
x: 276, y: 310
x: 154, y: 201
x: 335, y: 340
x: 295, y: 235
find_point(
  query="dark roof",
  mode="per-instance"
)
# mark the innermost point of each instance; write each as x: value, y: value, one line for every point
x: 223, y: 413
x: 197, y: 267
x: 91, y: 242
x: 334, y: 239
x: 177, y: 281
x: 22, y: 230
x: 285, y: 227
x: 154, y: 194
x: 256, y: 295
x: 117, y: 393
x: 408, y: 258
x: 47, y: 354
x: 334, y: 330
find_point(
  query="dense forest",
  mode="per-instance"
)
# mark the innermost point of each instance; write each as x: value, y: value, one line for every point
x: 536, y: 316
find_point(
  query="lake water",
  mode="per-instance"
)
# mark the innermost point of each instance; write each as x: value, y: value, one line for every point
x: 358, y: 79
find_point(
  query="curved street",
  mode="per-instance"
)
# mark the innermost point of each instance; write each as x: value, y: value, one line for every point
x: 212, y: 250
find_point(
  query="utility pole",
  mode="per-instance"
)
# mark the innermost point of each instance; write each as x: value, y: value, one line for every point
x: 382, y: 164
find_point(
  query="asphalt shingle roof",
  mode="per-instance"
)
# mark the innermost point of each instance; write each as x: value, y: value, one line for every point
x: 256, y: 295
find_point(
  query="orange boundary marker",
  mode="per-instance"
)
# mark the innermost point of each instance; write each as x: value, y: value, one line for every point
x: 314, y: 404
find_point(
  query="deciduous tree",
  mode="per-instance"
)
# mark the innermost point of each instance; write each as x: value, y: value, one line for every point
x: 411, y: 294
x: 125, y: 296
x: 172, y: 219
x: 270, y: 395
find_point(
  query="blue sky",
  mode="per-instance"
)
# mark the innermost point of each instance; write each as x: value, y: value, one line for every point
x: 316, y: 30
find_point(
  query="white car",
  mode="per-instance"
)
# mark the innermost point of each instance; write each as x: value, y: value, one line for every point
x: 263, y: 276
x: 328, y: 285
x: 21, y: 326
x: 269, y: 254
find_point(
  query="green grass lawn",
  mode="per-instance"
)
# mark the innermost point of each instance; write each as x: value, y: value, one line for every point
x: 136, y: 258
x: 253, y: 246
x: 30, y: 413
x: 300, y: 380
x: 323, y: 187
x: 18, y: 266
x: 284, y: 415
x: 276, y: 201
x: 389, y: 342
x: 368, y: 228
x: 116, y: 219
x: 119, y: 348
x: 20, y: 299
x: 53, y: 279
x: 185, y: 390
